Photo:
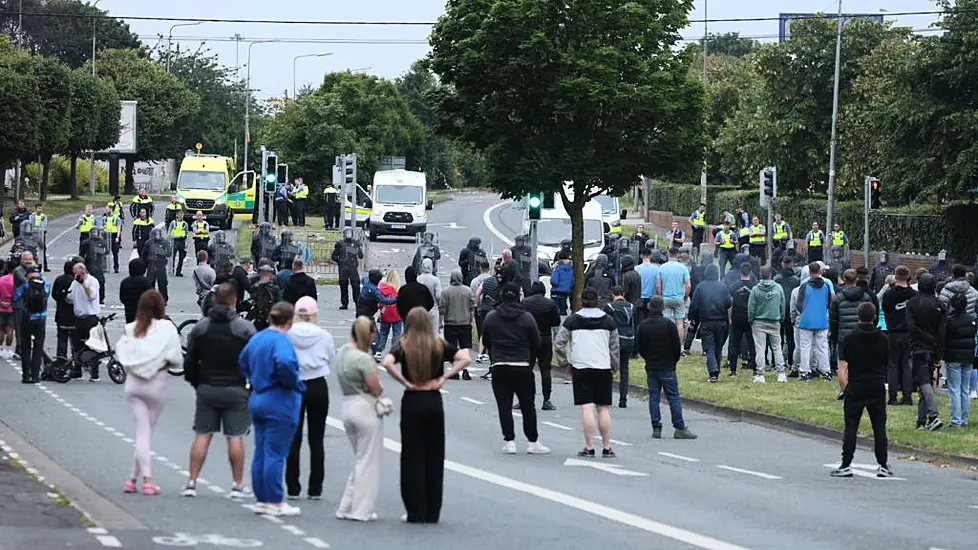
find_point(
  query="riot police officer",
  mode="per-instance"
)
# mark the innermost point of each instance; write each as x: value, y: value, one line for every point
x: 285, y: 253
x: 941, y: 269
x: 95, y: 253
x: 839, y: 258
x: 565, y: 252
x: 26, y: 238
x: 427, y: 249
x: 347, y: 255
x: 523, y: 257
x: 221, y: 251
x: 263, y: 243
x: 883, y: 269
x: 470, y: 258
x: 157, y: 255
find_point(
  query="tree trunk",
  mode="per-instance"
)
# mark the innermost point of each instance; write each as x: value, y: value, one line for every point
x: 73, y: 178
x: 130, y: 182
x: 45, y: 174
x: 575, y: 210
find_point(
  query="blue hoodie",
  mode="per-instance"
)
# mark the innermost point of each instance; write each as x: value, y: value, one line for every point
x: 562, y: 279
x: 18, y: 297
x: 711, y: 299
x: 269, y: 362
x: 814, y: 298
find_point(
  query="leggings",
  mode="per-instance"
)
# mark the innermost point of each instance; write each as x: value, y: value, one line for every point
x: 146, y: 398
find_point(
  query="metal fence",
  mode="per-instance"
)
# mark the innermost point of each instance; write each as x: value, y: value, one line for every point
x: 320, y: 245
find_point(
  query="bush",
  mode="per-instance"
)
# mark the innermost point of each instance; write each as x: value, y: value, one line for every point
x: 60, y: 176
x: 681, y: 199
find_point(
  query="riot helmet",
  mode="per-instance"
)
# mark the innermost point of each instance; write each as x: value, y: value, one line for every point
x: 96, y: 233
x: 265, y: 229
x: 520, y: 240
x: 565, y: 244
x: 157, y: 233
x: 347, y: 234
x: 942, y: 256
x: 428, y: 238
x: 884, y: 257
x: 26, y: 228
x: 790, y: 245
x: 220, y: 237
x: 838, y: 251
x: 474, y: 243
x: 612, y: 237
x: 286, y: 238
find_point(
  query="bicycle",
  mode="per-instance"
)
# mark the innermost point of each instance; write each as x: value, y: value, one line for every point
x: 88, y: 359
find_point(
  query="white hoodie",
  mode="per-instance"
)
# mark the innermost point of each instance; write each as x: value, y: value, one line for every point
x: 315, y: 349
x: 157, y: 350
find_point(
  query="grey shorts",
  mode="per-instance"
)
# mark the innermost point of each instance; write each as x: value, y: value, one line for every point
x: 219, y: 407
x: 674, y: 309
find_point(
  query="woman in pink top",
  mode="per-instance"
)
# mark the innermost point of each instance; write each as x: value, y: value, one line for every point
x: 7, y: 314
x: 390, y: 319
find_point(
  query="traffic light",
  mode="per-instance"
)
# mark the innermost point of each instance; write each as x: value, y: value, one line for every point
x: 768, y: 187
x: 875, y: 194
x: 549, y: 199
x: 271, y: 173
x: 349, y: 172
x: 534, y: 203
x: 282, y: 173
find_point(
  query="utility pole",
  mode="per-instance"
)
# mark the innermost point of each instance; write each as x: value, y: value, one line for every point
x: 705, y: 81
x: 830, y: 208
x: 169, y: 40
x: 298, y: 57
x: 237, y: 70
x: 867, y: 204
x: 535, y: 269
x: 91, y: 156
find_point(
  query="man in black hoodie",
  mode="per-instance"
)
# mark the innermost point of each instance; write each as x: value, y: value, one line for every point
x: 512, y: 338
x: 708, y: 309
x: 894, y: 304
x: 132, y: 287
x: 631, y: 281
x: 789, y: 282
x: 64, y: 316
x: 413, y: 294
x: 299, y: 284
x: 546, y: 316
x: 740, y: 328
x: 927, y: 323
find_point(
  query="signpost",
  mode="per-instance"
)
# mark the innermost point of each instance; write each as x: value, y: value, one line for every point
x: 769, y: 192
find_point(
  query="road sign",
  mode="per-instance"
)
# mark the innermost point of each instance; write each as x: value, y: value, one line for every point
x: 613, y: 469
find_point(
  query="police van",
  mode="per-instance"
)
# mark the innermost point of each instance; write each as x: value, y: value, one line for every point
x: 399, y: 204
x: 554, y: 226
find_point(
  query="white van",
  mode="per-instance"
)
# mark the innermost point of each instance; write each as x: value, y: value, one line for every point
x: 554, y: 226
x: 611, y: 213
x: 400, y: 204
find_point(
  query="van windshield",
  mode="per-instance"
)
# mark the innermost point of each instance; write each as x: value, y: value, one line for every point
x: 208, y: 181
x: 398, y: 194
x: 551, y: 231
x: 608, y: 206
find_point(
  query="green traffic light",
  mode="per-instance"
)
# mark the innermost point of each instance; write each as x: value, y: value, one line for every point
x: 270, y: 178
x: 535, y: 202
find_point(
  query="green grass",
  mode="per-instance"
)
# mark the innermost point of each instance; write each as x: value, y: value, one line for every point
x: 812, y: 403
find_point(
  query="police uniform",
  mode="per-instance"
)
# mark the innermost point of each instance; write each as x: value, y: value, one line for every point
x: 743, y: 236
x: 347, y: 254
x: 331, y: 214
x: 178, y: 231
x: 141, y: 230
x: 202, y: 234
x: 677, y: 238
x: 839, y: 238
x: 780, y: 233
x: 698, y: 221
x: 726, y: 241
x: 112, y: 225
x: 138, y: 203
x: 39, y: 222
x: 85, y: 225
x: 301, y: 196
x: 816, y: 240
x: 758, y: 242
x: 117, y: 209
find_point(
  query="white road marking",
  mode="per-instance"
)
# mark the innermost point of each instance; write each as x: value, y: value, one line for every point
x: 558, y: 426
x: 679, y: 457
x: 748, y: 472
x: 97, y: 531
x: 216, y: 489
x: 675, y: 533
x: 604, y: 467
x: 473, y: 401
x: 316, y: 542
x: 109, y: 541
x: 860, y: 470
x: 273, y: 519
x: 444, y: 392
x: 615, y: 442
x: 294, y: 530
x: 486, y: 219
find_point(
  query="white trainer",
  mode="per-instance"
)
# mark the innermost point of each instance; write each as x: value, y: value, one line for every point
x: 759, y: 379
x: 509, y: 447
x: 537, y: 448
x: 782, y: 377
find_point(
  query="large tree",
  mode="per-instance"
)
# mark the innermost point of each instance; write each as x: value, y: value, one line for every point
x: 20, y: 114
x: 54, y: 124
x: 94, y: 119
x: 588, y: 91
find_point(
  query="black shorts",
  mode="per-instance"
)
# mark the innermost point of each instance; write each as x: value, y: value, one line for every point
x: 459, y: 336
x: 592, y: 386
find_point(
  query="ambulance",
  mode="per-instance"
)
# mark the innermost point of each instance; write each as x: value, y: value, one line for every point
x: 204, y: 184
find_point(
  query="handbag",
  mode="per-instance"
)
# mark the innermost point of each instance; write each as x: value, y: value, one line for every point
x: 383, y: 406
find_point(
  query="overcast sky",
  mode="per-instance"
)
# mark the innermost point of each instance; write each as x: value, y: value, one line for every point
x: 272, y: 63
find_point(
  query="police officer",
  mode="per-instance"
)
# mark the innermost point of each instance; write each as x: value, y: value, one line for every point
x: 27, y: 239
x: 758, y: 240
x: 941, y: 269
x: 282, y: 204
x: 95, y: 253
x: 743, y: 237
x: 178, y: 231
x: 780, y: 233
x: 286, y: 252
x: 263, y: 243
x: 347, y: 255
x: 18, y: 216
x: 676, y: 236
x: 698, y: 220
x: 201, y: 231
x: 39, y: 225
x: 640, y: 236
x: 111, y: 225
x: 881, y: 271
x: 142, y: 200
x: 157, y: 257
x: 427, y: 249
x: 301, y: 193
x: 726, y: 247
x: 469, y: 259
x: 522, y: 255
x: 221, y: 251
x: 117, y: 208
x: 174, y: 210
x: 142, y: 228
x: 815, y: 241
x: 86, y: 222
x: 839, y: 238
x: 565, y: 252
x: 331, y: 214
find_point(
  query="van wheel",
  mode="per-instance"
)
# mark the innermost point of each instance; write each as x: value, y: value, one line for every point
x: 371, y: 234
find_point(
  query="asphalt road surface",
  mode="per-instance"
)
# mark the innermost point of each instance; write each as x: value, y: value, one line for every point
x: 738, y: 486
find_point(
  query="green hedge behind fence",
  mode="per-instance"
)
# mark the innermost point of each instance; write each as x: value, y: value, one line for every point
x: 923, y: 230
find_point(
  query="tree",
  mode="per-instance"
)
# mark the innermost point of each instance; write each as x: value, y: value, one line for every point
x: 54, y: 123
x: 20, y: 113
x: 94, y: 119
x: 729, y: 44
x: 588, y: 91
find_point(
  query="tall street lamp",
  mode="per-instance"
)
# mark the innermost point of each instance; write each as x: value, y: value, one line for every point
x: 298, y: 57
x: 91, y: 156
x: 169, y: 40
x: 247, y: 139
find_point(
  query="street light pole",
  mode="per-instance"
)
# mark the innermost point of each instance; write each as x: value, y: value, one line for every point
x: 829, y: 209
x: 706, y: 35
x: 298, y: 57
x: 91, y: 156
x: 247, y: 140
x: 169, y: 40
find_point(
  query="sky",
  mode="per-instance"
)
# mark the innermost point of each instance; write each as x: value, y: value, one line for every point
x: 272, y: 64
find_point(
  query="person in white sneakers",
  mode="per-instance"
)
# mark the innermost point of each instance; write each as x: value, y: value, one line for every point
x: 765, y: 311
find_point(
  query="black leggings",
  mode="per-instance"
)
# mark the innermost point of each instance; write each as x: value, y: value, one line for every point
x: 315, y: 407
x: 506, y: 382
x: 422, y: 455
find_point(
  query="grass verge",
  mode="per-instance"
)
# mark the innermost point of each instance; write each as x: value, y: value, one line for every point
x: 813, y: 403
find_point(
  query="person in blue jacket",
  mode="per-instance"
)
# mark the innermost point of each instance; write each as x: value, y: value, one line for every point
x: 33, y: 297
x: 271, y: 366
x: 562, y: 284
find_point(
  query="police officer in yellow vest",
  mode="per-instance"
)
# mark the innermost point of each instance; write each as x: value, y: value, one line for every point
x: 698, y: 220
x: 173, y: 208
x: 142, y: 200
x: 758, y: 240
x: 331, y: 210
x: 117, y: 207
x: 780, y: 231
x: 726, y: 247
x: 201, y: 231
x: 178, y: 231
x: 815, y: 240
x: 39, y: 222
x: 111, y: 224
x: 743, y: 236
x: 86, y: 222
x: 839, y: 238
x: 301, y: 193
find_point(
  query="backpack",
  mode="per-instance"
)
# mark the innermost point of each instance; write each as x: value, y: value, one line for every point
x: 261, y: 306
x: 741, y: 296
x: 624, y: 316
x: 36, y: 298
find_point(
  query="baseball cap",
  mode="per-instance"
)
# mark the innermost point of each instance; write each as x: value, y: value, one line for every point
x: 306, y: 306
x: 266, y: 269
x: 245, y: 260
x: 31, y: 269
x: 510, y: 292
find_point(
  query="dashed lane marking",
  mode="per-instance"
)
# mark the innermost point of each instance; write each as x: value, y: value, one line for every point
x: 679, y: 457
x: 748, y: 472
x: 473, y: 401
x: 558, y: 426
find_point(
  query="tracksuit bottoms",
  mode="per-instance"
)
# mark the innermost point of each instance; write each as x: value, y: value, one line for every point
x: 275, y: 417
x: 146, y: 398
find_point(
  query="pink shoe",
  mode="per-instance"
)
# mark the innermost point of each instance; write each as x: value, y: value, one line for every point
x: 129, y: 487
x: 151, y: 489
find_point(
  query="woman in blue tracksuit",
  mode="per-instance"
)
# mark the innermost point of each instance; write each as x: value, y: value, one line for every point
x: 270, y: 364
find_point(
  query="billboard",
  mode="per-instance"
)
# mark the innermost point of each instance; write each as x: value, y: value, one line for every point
x: 127, y: 130
x: 784, y: 20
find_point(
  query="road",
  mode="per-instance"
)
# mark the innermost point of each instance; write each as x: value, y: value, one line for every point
x: 739, y: 486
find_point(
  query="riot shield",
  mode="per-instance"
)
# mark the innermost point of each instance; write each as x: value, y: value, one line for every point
x: 626, y: 248
x: 427, y: 248
x: 287, y: 254
x: 266, y: 247
x: 524, y: 266
x: 96, y: 255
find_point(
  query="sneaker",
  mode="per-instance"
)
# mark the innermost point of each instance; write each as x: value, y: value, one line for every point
x: 240, y: 492
x: 537, y: 448
x: 586, y: 453
x: 548, y: 406
x: 713, y: 379
x: 315, y: 497
x: 884, y: 471
x: 189, y: 490
x: 906, y: 402
x: 656, y: 432
x: 622, y: 404
x: 483, y: 358
x: 378, y: 356
x: 292, y: 497
x: 974, y: 395
x: 684, y: 434
x: 805, y: 377
x: 151, y: 489
x: 130, y: 487
x: 685, y: 353
x: 285, y: 510
x: 607, y: 453
x: 841, y: 471
x: 827, y: 377
x: 466, y: 375
x: 516, y: 406
x: 732, y: 373
x: 933, y: 424
x: 782, y: 377
x: 793, y: 373
x: 509, y: 447
x: 759, y: 379
x: 93, y: 378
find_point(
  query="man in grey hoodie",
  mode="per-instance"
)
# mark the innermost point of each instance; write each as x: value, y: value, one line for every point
x: 960, y: 285
x: 457, y: 309
x: 430, y: 280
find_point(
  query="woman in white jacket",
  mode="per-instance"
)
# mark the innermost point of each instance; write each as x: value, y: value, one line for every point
x: 148, y: 347
x: 315, y: 349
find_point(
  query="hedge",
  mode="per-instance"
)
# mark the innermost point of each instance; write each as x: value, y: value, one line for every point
x: 59, y: 176
x: 918, y: 230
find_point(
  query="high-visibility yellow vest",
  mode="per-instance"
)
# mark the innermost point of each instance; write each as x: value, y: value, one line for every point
x: 179, y: 230
x: 302, y: 193
x: 113, y: 224
x: 116, y: 207
x: 780, y: 230
x: 816, y: 239
x: 39, y: 220
x: 140, y: 200
x: 838, y: 238
x: 147, y: 221
x: 744, y: 232
x: 698, y: 219
x: 727, y: 239
x: 330, y: 189
x: 202, y: 230
x: 87, y: 223
x: 757, y: 234
x: 174, y: 206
